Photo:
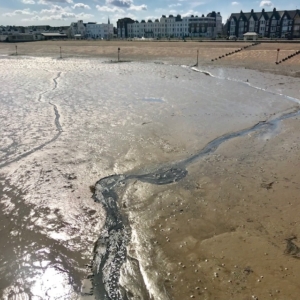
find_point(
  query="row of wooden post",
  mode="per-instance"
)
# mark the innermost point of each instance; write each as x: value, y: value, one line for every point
x: 119, y: 49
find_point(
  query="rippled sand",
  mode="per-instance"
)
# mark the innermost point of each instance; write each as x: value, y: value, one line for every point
x: 220, y: 231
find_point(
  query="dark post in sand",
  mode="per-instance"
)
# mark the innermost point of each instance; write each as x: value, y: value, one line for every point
x: 277, y: 55
x: 197, y: 57
x: 119, y: 54
x: 60, y: 52
x: 16, y: 50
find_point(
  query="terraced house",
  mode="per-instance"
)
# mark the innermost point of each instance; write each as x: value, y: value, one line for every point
x: 208, y: 26
x: 272, y: 24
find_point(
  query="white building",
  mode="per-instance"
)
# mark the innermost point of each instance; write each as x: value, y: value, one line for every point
x: 98, y: 31
x: 175, y: 26
x: 77, y: 28
x: 91, y: 30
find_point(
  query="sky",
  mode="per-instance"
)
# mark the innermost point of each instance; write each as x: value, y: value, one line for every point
x: 63, y: 12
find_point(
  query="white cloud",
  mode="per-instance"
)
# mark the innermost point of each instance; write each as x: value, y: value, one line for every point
x: 54, y: 13
x: 109, y: 9
x: 138, y: 7
x: 59, y: 17
x: 55, y: 9
x: 25, y: 11
x: 47, y: 2
x: 190, y: 12
x: 175, y: 5
x: 83, y: 16
x: 28, y: 1
x: 266, y: 3
x: 81, y: 5
x: 235, y: 3
x: 120, y: 3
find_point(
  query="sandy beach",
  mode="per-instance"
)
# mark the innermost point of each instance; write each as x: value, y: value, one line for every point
x: 226, y: 227
x: 261, y: 57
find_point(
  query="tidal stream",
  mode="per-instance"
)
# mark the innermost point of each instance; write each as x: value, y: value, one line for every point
x: 110, y: 249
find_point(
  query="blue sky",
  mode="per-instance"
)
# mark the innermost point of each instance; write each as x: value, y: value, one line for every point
x: 63, y: 12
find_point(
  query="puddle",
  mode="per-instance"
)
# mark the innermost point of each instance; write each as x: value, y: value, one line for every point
x: 152, y: 99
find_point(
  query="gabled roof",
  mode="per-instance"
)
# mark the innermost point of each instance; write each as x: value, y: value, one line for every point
x: 242, y: 16
x: 276, y: 14
x: 267, y: 15
x: 293, y: 13
x: 234, y: 16
x: 255, y: 15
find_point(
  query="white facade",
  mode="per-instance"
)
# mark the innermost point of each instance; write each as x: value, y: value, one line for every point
x: 166, y: 27
x: 176, y: 27
x: 91, y: 30
x: 219, y: 24
x: 252, y: 24
x: 98, y: 31
x: 77, y: 28
x: 262, y: 26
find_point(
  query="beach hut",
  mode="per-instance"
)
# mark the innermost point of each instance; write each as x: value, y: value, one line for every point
x: 250, y: 36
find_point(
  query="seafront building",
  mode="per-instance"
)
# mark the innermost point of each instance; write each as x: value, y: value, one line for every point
x: 172, y: 27
x: 32, y: 33
x: 269, y: 24
x: 91, y: 30
x: 77, y: 29
x: 272, y: 24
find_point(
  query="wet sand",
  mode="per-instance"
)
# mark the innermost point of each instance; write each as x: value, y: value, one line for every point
x: 218, y: 233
